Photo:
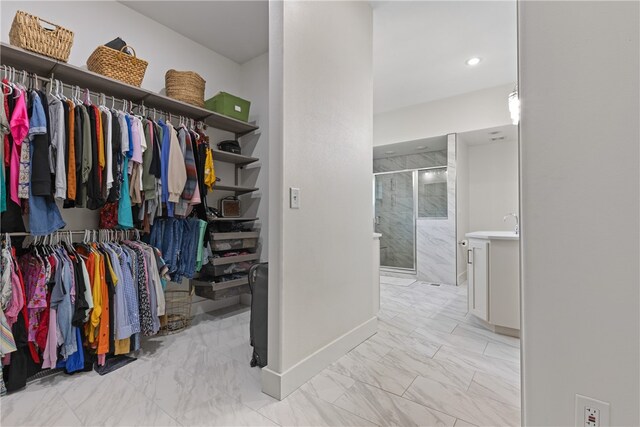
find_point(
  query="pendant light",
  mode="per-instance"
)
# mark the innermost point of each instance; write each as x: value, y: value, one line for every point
x: 514, y: 106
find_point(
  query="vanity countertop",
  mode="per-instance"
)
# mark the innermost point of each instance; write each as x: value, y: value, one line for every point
x: 497, y: 235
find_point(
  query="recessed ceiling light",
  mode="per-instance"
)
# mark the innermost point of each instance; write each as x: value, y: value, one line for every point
x: 419, y: 147
x: 473, y: 61
x: 389, y: 152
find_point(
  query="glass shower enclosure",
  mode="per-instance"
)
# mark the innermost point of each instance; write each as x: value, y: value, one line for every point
x: 395, y: 219
x: 400, y: 198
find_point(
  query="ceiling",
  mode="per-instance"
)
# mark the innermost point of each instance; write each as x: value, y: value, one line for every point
x: 410, y: 147
x: 487, y: 136
x: 420, y: 49
x: 238, y: 30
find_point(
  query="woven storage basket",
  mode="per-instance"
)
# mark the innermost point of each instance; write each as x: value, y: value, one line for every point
x: 118, y: 65
x: 177, y: 311
x: 186, y: 86
x: 27, y: 32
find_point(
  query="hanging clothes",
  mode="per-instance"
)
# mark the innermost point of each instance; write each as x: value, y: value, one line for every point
x: 65, y: 305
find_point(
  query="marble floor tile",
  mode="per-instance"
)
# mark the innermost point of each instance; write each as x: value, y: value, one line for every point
x: 495, y: 388
x: 396, y: 281
x: 220, y: 409
x: 502, y: 351
x: 387, y: 313
x: 96, y: 398
x: 428, y: 355
x: 386, y: 409
x: 140, y: 412
x: 474, y: 344
x: 173, y: 389
x: 385, y: 376
x: 481, y: 411
x: 373, y: 350
x: 241, y: 351
x: 479, y: 362
x: 303, y: 409
x: 463, y: 423
x: 398, y: 341
x: 42, y: 407
x: 441, y: 324
x: 439, y: 370
x: 479, y: 332
x: 327, y: 385
x: 397, y: 325
x: 237, y: 379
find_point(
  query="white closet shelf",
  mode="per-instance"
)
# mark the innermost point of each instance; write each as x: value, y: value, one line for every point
x: 239, y: 219
x: 236, y: 235
x: 234, y: 189
x: 234, y: 259
x: 238, y: 159
x: 41, y: 65
x: 218, y: 286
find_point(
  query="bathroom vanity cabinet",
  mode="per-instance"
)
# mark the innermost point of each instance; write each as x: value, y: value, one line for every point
x: 493, y: 280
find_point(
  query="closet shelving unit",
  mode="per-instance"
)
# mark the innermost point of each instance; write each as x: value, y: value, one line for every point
x: 43, y: 66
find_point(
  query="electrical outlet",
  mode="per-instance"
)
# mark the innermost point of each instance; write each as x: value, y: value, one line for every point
x: 294, y: 198
x: 591, y: 412
x: 591, y: 417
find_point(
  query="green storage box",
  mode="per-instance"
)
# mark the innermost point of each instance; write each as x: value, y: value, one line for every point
x: 229, y: 105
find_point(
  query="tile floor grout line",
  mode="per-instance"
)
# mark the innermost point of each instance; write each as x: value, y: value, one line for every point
x: 472, y: 378
x: 409, y: 386
x: 427, y: 406
x: 273, y: 421
x: 82, y: 422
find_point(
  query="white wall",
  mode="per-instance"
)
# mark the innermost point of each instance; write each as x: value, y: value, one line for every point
x: 475, y: 110
x: 493, y: 185
x: 98, y: 22
x: 321, y: 265
x: 580, y: 205
x: 255, y: 87
x: 462, y: 207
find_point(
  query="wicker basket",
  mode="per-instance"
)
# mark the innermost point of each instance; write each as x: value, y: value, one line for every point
x: 28, y: 32
x: 186, y: 86
x: 177, y: 311
x: 118, y: 65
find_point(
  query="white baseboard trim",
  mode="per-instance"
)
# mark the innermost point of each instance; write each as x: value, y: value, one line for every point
x: 280, y: 385
x: 462, y: 277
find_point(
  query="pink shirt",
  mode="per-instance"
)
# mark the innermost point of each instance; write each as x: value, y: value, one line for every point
x: 19, y: 130
x: 50, y: 356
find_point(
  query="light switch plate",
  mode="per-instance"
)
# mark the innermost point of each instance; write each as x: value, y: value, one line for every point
x: 294, y: 198
x: 591, y: 412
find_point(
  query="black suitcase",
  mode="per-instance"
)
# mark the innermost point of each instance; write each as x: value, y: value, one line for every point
x: 258, y: 281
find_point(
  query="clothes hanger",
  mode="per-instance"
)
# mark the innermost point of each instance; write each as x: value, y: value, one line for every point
x: 87, y: 97
x: 13, y: 82
x: 5, y: 73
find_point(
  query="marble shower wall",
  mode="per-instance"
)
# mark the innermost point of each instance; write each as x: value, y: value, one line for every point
x: 436, y: 238
x: 411, y: 161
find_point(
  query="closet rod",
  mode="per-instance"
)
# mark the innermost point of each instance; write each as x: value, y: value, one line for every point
x: 63, y: 232
x: 22, y: 76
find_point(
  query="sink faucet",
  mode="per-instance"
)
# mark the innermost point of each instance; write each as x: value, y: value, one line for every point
x: 517, y: 229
